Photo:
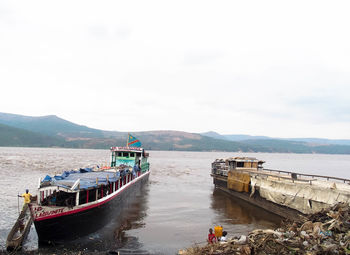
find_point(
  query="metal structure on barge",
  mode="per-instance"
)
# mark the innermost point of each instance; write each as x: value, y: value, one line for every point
x: 80, y: 202
x: 287, y: 194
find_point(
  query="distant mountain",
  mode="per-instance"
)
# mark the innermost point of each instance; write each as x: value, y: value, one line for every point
x: 215, y: 135
x: 311, y: 141
x: 67, y: 134
x: 236, y: 138
x: 10, y: 136
x: 155, y: 140
x: 321, y: 141
x: 177, y: 140
x: 285, y: 146
x: 52, y: 131
x: 49, y: 125
x: 245, y: 137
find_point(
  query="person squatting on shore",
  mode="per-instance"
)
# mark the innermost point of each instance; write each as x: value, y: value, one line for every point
x: 211, y: 236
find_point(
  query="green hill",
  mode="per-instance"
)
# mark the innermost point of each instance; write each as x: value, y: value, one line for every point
x: 49, y: 125
x: 10, y: 136
x: 177, y: 140
x: 52, y: 131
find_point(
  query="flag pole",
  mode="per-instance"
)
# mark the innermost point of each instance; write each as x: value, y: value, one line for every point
x: 18, y: 202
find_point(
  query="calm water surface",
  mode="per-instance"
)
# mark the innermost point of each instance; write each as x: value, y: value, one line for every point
x: 175, y: 210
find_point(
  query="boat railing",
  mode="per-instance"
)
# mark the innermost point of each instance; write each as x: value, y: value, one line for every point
x: 276, y: 176
x: 309, y: 175
x: 291, y: 175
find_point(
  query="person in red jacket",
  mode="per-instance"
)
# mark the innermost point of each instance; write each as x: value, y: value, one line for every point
x: 211, y: 236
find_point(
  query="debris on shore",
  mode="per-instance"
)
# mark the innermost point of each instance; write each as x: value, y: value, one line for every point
x: 325, y: 232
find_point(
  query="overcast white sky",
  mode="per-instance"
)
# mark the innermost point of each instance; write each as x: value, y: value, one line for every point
x: 275, y: 68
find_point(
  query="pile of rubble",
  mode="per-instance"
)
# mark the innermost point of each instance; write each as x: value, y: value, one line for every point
x: 325, y: 232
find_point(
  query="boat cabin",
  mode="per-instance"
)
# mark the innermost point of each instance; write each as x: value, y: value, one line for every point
x: 128, y: 156
x: 244, y: 163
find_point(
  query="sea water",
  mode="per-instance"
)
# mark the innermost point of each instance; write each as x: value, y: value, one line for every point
x: 173, y: 211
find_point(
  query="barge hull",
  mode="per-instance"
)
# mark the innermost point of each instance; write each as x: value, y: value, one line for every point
x: 283, y: 211
x: 72, y: 226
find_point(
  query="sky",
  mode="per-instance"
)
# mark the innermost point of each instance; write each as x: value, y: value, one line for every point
x: 273, y: 68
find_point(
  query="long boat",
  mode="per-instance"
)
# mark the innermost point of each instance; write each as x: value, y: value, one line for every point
x: 19, y: 230
x: 79, y: 202
x: 288, y: 194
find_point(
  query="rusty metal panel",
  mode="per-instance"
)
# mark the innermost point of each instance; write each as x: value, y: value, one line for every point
x: 238, y: 181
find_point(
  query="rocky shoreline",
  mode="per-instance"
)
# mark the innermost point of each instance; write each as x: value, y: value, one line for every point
x: 325, y: 232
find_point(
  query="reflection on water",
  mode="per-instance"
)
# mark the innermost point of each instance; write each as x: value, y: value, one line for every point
x: 176, y: 208
x: 236, y: 211
x: 133, y: 219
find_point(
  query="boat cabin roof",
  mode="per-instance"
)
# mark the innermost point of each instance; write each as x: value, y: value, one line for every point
x: 245, y: 159
x: 138, y: 150
x: 127, y: 149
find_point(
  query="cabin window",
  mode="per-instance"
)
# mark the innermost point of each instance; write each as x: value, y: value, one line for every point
x: 240, y: 164
x: 138, y: 154
x: 113, y: 159
x: 82, y: 196
x: 60, y: 198
x: 119, y: 154
x: 232, y: 164
x: 92, y: 195
x: 106, y: 189
x: 51, y: 199
x: 132, y: 154
x: 125, y: 154
x: 100, y: 192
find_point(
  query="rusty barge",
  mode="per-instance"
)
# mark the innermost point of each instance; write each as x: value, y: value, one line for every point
x: 287, y: 194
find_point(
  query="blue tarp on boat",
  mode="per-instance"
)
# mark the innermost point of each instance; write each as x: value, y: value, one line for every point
x: 85, y: 170
x: 47, y: 178
x: 87, y: 178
